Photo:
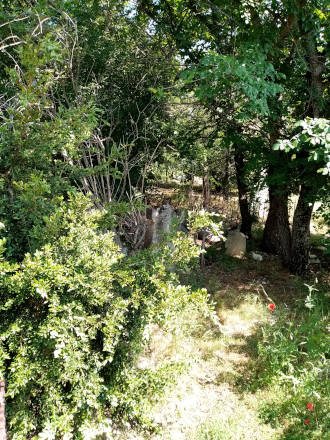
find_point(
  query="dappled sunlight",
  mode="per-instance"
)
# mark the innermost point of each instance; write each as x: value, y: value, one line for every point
x: 219, y: 396
x: 206, y: 394
x: 164, y: 220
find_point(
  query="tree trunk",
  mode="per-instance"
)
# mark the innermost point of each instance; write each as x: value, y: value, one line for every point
x: 301, y: 232
x: 243, y: 194
x: 303, y: 213
x: 277, y: 235
x: 206, y: 192
x: 225, y: 181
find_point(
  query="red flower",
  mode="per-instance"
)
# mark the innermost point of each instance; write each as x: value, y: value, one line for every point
x: 271, y: 306
x: 310, y: 406
x: 307, y: 421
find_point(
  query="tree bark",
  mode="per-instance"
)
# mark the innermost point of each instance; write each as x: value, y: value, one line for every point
x: 277, y: 235
x: 301, y: 232
x: 225, y: 180
x: 304, y: 210
x: 243, y: 194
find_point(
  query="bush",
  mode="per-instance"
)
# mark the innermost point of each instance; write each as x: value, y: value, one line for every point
x: 73, y: 316
x: 40, y: 140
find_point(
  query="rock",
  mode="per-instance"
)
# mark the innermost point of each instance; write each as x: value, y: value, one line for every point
x: 257, y: 257
x: 158, y: 222
x: 149, y: 232
x: 214, y: 239
x: 162, y: 218
x: 313, y: 259
x: 236, y: 244
x: 209, y: 237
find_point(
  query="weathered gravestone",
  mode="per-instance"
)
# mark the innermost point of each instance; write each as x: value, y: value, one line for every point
x: 236, y: 244
x: 159, y: 221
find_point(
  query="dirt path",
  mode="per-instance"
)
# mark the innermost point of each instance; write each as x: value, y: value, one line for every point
x: 206, y: 403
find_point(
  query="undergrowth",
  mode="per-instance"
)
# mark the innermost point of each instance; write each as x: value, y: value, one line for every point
x: 292, y: 360
x: 74, y: 316
x: 287, y: 376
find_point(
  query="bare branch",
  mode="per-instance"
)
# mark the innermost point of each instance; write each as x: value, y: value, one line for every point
x: 39, y: 26
x: 13, y: 21
x: 5, y: 46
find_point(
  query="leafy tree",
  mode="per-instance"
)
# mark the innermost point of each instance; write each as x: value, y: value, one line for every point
x: 266, y: 63
x: 35, y: 135
x: 121, y: 63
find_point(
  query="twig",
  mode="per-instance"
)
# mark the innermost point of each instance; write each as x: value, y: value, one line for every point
x: 265, y: 293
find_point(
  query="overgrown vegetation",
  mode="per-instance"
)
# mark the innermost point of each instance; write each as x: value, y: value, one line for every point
x: 74, y: 313
x: 280, y: 377
x: 102, y: 104
x: 293, y: 358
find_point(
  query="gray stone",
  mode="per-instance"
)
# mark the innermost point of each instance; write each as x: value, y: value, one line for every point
x: 257, y: 257
x: 214, y: 239
x: 236, y: 244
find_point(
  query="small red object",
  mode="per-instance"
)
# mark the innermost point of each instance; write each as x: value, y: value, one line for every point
x: 310, y: 406
x: 307, y: 421
x: 271, y: 307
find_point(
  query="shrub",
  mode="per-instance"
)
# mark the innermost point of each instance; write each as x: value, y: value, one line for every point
x: 40, y: 139
x: 73, y: 316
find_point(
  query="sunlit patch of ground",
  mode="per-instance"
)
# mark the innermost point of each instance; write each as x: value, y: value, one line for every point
x: 210, y: 400
x: 206, y: 403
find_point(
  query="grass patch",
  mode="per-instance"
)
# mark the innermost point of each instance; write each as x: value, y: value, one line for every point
x: 254, y: 378
x: 292, y: 360
x: 241, y: 424
x: 218, y: 256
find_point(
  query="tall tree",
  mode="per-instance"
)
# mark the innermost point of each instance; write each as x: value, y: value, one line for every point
x: 260, y: 58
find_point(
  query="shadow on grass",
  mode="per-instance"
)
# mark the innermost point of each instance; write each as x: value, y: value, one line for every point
x: 231, y: 283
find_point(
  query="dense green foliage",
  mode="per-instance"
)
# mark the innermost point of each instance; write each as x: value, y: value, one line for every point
x: 36, y: 135
x: 74, y: 315
x: 259, y: 68
x: 98, y: 100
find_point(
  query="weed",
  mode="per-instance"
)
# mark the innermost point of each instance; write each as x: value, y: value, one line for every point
x: 211, y: 431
